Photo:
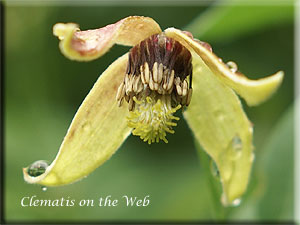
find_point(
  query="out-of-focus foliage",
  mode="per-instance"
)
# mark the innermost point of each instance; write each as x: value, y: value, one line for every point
x: 276, y: 171
x: 43, y: 89
x: 232, y: 21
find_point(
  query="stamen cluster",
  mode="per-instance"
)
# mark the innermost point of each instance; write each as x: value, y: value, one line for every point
x: 159, y: 73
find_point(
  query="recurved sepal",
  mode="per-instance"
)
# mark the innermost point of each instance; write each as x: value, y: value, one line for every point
x: 91, y: 44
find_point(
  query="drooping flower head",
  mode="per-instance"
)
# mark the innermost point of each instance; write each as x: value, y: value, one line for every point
x: 141, y: 91
x: 158, y: 82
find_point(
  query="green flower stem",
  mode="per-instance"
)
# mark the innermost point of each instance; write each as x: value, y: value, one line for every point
x: 220, y: 212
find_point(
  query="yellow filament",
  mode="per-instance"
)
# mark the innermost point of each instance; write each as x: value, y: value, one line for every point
x: 152, y: 119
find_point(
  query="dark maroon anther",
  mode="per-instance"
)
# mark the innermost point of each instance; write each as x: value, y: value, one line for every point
x: 161, y: 49
x: 157, y: 66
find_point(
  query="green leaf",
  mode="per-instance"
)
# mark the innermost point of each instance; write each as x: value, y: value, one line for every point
x: 276, y: 167
x: 231, y: 21
x: 211, y: 178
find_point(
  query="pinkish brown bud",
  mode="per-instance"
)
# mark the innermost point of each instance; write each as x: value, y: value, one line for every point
x: 188, y: 33
x: 204, y: 44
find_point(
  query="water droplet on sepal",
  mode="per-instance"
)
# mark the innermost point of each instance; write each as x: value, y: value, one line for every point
x: 214, y: 170
x: 236, y: 202
x: 37, y: 168
x: 237, y: 143
x: 232, y: 66
x: 44, y: 188
x: 236, y: 147
x: 86, y: 127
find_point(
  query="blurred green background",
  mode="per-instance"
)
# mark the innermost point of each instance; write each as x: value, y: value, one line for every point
x: 43, y: 90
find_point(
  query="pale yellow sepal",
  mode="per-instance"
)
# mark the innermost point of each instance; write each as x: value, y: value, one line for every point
x: 96, y: 132
x: 253, y: 91
x: 91, y: 44
x: 220, y: 125
x: 65, y: 33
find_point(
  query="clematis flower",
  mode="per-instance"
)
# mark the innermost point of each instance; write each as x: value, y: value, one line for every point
x: 139, y: 94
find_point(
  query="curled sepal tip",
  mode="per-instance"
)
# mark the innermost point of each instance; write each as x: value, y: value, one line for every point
x: 96, y: 132
x: 91, y: 44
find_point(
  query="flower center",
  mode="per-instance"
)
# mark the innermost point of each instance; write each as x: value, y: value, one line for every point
x: 157, y: 83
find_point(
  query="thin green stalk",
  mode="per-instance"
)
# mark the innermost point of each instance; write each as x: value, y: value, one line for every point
x: 220, y: 212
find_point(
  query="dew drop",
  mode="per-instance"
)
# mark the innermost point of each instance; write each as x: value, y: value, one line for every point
x: 236, y: 147
x: 37, y: 168
x: 232, y: 66
x: 236, y: 202
x: 214, y: 169
x: 237, y: 143
x: 86, y: 127
x: 44, y: 188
